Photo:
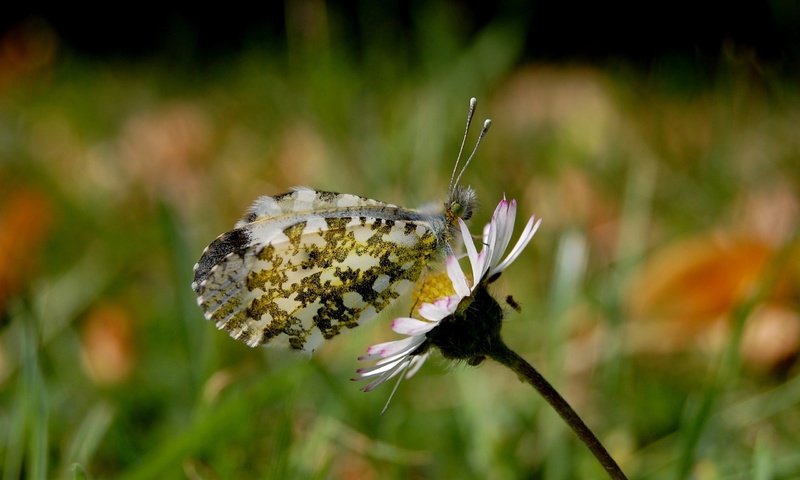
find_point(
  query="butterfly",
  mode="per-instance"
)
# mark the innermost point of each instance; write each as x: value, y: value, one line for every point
x: 303, y: 266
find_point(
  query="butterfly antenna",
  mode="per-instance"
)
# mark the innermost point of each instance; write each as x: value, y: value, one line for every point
x: 473, y: 102
x: 486, y: 124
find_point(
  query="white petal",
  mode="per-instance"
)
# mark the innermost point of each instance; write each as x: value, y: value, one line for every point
x: 485, y: 237
x: 416, y: 362
x: 509, y: 222
x: 503, y: 222
x: 524, y: 239
x: 471, y: 251
x: 483, y: 263
x: 457, y: 277
x: 440, y: 308
x: 387, y: 349
x: 378, y: 369
x: 386, y: 376
x: 411, y: 326
x: 489, y: 247
x: 414, y: 343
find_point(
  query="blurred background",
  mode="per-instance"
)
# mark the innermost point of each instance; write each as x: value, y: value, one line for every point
x: 659, y: 141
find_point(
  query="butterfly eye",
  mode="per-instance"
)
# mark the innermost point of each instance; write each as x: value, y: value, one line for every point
x: 462, y: 203
x: 462, y: 210
x: 458, y: 209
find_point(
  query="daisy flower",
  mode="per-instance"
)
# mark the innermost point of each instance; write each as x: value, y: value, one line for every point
x: 405, y: 357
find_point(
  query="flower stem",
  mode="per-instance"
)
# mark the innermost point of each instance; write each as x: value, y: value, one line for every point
x: 501, y: 353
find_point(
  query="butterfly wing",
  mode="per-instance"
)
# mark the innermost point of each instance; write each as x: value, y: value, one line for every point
x: 303, y: 266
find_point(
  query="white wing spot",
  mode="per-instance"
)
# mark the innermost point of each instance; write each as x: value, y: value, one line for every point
x: 381, y: 283
x: 353, y: 300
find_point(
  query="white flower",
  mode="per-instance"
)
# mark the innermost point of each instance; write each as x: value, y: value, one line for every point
x: 402, y: 355
x: 487, y: 265
x: 407, y: 355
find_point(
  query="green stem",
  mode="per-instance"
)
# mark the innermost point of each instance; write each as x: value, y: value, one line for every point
x: 501, y: 353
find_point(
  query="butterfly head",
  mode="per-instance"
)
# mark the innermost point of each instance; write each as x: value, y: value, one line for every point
x: 462, y: 203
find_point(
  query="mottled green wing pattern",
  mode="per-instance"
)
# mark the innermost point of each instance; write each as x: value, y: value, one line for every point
x: 304, y: 266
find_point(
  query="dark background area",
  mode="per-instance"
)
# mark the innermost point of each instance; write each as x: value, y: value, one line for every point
x: 637, y: 32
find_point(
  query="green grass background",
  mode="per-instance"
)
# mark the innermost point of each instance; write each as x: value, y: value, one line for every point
x: 141, y: 164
